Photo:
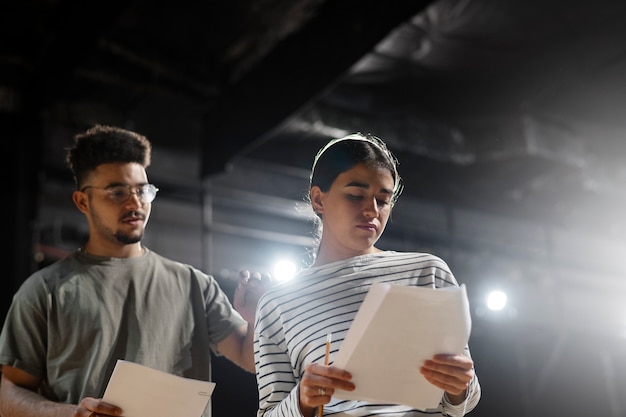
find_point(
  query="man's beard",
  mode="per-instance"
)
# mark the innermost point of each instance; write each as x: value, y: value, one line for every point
x: 128, y: 239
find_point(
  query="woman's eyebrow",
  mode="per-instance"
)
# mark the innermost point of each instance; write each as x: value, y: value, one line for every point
x: 358, y: 184
x: 366, y: 186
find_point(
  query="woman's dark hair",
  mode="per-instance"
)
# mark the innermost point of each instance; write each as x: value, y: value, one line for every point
x: 340, y: 155
x: 102, y: 145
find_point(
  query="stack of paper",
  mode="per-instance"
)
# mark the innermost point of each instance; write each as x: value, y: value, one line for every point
x: 142, y: 391
x: 394, y: 331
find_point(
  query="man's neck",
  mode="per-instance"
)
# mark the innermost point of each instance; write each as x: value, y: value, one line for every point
x: 124, y: 251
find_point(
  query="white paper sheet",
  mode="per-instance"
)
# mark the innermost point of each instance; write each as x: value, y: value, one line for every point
x: 142, y: 391
x: 394, y: 331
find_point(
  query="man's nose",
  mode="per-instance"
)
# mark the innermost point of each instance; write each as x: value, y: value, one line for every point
x: 135, y: 198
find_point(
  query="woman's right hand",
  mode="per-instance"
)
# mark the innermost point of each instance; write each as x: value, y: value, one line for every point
x: 318, y: 386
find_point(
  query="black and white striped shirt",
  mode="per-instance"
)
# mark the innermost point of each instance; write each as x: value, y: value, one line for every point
x: 294, y: 318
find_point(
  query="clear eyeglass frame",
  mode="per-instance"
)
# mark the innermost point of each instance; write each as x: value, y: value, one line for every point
x: 121, y: 193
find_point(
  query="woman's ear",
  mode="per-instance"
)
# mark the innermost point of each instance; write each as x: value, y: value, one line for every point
x: 81, y: 200
x: 317, y: 200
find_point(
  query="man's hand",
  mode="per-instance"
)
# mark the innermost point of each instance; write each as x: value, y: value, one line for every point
x: 19, y: 398
x: 250, y: 288
x: 94, y: 407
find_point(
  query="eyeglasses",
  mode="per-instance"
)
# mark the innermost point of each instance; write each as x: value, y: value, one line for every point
x: 121, y: 193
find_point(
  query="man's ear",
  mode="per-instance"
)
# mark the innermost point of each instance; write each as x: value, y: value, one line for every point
x: 81, y: 200
x: 317, y: 200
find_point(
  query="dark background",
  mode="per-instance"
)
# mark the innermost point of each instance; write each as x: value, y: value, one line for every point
x: 507, y: 117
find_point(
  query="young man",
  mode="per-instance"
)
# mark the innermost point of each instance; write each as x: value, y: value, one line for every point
x: 115, y: 299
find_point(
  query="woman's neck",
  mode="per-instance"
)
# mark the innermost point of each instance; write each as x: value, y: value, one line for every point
x: 324, y: 257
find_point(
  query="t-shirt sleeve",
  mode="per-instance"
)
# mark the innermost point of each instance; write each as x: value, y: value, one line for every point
x: 222, y: 318
x: 23, y: 337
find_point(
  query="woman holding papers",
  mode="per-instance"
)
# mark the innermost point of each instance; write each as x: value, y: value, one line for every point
x: 353, y: 187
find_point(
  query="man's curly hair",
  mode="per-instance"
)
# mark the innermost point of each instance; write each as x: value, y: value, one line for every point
x: 102, y: 145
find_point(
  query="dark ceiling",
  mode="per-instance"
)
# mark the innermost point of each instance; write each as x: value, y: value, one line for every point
x: 508, y: 108
x: 512, y: 107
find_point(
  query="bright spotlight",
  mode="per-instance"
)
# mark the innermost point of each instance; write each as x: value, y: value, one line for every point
x: 496, y: 300
x: 284, y: 270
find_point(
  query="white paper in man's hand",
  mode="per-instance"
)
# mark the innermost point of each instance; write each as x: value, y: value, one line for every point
x: 394, y: 331
x: 142, y: 391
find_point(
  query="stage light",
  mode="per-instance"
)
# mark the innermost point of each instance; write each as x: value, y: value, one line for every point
x: 496, y: 300
x: 284, y: 270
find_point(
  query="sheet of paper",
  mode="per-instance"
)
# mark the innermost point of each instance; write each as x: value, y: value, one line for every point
x: 142, y: 391
x: 394, y: 331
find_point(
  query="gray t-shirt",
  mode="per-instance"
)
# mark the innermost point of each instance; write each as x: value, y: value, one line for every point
x: 70, y: 322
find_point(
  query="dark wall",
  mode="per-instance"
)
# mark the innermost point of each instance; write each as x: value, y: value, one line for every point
x: 23, y: 138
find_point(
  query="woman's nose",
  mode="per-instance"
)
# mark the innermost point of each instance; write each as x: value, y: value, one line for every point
x: 370, y: 207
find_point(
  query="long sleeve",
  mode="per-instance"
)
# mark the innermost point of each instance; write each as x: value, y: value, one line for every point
x: 278, y: 389
x: 471, y: 400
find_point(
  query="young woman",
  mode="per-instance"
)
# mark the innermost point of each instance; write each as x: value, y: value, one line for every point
x: 353, y: 187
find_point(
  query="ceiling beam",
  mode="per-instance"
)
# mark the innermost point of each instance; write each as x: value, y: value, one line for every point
x: 296, y: 71
x: 73, y: 31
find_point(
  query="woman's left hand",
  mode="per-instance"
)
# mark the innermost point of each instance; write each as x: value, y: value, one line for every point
x: 452, y: 373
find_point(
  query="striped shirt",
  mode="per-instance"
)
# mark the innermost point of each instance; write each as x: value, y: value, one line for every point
x: 293, y: 319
